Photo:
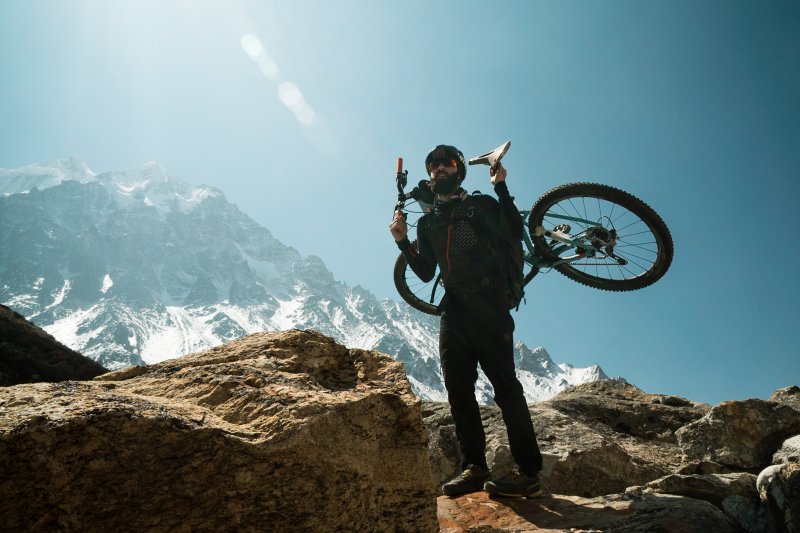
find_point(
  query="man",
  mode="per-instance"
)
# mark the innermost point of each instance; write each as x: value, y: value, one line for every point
x: 476, y: 325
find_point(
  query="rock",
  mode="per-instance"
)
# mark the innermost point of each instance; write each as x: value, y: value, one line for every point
x: 617, y: 512
x: 741, y: 434
x: 789, y: 452
x: 280, y: 431
x: 779, y: 487
x: 28, y: 354
x: 787, y: 396
x: 750, y: 515
x: 703, y: 467
x: 628, y: 410
x: 582, y: 461
x: 578, y: 459
x: 735, y: 494
x: 713, y: 488
x: 765, y: 477
x: 443, y: 449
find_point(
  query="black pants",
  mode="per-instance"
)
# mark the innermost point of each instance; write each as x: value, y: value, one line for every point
x: 479, y: 330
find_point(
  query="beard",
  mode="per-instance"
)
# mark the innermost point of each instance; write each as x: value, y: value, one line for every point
x: 446, y: 185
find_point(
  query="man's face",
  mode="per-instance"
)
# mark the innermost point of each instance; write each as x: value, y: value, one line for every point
x: 443, y: 173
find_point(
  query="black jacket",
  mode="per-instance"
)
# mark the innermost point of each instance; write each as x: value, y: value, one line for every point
x: 455, y: 236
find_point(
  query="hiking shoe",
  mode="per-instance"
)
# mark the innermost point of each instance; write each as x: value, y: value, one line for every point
x: 470, y: 480
x: 515, y: 484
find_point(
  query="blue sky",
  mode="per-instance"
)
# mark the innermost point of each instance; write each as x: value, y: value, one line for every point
x: 298, y: 111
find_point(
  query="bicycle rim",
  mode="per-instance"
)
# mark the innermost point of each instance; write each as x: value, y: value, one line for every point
x: 642, y: 250
x: 422, y: 296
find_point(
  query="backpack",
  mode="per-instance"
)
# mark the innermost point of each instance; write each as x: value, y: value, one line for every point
x: 508, y: 253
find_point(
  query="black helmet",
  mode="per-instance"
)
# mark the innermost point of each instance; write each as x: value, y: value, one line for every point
x: 443, y: 151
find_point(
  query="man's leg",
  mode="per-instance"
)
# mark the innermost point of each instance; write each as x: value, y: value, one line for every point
x: 460, y: 372
x: 497, y: 362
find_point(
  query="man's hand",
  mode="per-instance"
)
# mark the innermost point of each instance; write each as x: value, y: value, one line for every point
x: 398, y: 227
x: 498, y: 174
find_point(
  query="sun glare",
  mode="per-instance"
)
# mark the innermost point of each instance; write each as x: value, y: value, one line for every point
x: 289, y: 94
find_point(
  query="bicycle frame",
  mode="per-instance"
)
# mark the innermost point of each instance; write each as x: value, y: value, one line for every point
x: 537, y: 262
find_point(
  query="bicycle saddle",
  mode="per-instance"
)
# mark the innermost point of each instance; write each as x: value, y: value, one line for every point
x: 493, y: 157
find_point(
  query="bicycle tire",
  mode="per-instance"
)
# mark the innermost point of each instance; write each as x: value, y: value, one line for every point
x: 402, y: 275
x: 662, y: 250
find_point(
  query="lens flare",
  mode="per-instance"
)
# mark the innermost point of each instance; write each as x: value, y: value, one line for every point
x: 290, y: 95
x: 255, y: 50
x: 252, y: 47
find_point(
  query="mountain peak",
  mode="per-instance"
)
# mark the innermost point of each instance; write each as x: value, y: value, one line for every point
x: 154, y: 170
x: 44, y: 175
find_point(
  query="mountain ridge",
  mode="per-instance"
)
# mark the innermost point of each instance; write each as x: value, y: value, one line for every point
x: 133, y: 267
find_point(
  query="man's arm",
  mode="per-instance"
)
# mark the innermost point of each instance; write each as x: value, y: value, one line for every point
x: 509, y: 211
x: 422, y: 262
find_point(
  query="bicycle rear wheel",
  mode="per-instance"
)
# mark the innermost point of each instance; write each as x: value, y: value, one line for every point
x: 422, y: 296
x: 629, y: 246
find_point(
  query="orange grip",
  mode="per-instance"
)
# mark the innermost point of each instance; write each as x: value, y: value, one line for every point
x: 399, y: 165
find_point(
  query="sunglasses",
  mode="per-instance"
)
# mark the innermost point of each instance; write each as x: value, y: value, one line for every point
x: 433, y: 164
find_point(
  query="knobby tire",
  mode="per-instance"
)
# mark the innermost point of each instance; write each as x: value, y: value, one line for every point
x: 402, y: 272
x: 572, y: 196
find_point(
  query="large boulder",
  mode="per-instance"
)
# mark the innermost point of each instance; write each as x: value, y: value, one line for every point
x: 276, y: 431
x: 742, y: 434
x: 28, y: 354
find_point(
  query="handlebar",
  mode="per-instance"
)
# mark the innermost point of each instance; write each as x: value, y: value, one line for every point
x: 421, y: 193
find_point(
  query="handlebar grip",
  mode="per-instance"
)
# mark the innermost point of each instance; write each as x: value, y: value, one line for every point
x: 399, y: 165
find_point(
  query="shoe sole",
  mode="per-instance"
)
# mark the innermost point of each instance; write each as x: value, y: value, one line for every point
x: 534, y: 494
x: 460, y: 492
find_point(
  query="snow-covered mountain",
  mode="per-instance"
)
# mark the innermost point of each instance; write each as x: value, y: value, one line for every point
x: 137, y: 266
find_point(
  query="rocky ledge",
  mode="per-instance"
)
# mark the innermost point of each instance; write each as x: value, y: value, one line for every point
x: 273, y: 432
x: 293, y: 432
x: 619, y: 459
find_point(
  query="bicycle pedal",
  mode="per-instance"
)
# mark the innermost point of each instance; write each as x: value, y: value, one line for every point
x: 558, y: 237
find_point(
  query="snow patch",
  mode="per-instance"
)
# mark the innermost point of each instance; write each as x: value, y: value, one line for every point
x: 107, y: 283
x: 286, y: 317
x: 426, y: 392
x: 61, y: 294
x: 65, y: 329
x: 184, y: 333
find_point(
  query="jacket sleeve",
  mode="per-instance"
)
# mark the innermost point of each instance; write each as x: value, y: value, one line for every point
x: 422, y: 261
x: 511, y: 219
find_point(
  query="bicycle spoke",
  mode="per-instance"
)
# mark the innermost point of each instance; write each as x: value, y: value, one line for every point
x: 629, y: 254
x: 620, y: 237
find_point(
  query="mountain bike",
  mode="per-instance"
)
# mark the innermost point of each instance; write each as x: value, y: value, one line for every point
x: 595, y: 234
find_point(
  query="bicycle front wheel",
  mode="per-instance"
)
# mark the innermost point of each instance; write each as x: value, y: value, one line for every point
x: 622, y: 243
x: 422, y: 296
